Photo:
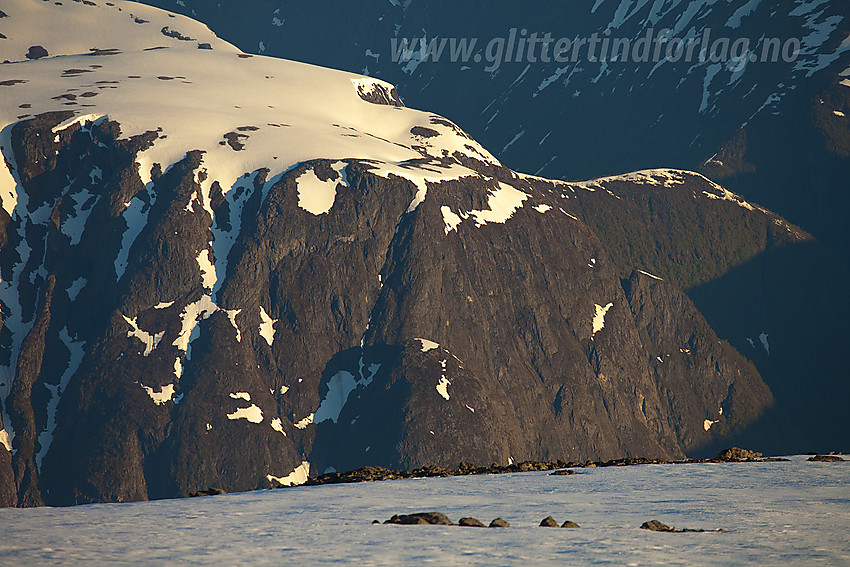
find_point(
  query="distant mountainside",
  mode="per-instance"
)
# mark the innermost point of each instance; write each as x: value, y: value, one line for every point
x: 774, y: 130
x: 234, y: 271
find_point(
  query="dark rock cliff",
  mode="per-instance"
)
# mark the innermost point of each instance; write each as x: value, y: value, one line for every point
x: 373, y: 334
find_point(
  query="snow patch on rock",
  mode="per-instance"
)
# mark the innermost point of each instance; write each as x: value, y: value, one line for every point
x: 165, y: 394
x: 208, y: 275
x: 443, y: 387
x: 599, y: 317
x: 502, y: 202
x: 267, y: 329
x: 428, y: 345
x: 650, y: 275
x: 253, y: 414
x: 151, y: 341
x: 76, y: 352
x: 450, y: 219
x: 316, y: 196
x: 277, y: 425
x: 302, y: 424
x: 296, y: 477
x: 76, y: 287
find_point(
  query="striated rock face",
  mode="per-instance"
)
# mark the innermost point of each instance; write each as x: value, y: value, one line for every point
x: 365, y: 335
x: 692, y: 367
x: 765, y: 286
x: 350, y: 284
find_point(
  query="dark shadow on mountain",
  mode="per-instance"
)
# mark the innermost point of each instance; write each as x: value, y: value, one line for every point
x: 787, y: 311
x: 362, y: 420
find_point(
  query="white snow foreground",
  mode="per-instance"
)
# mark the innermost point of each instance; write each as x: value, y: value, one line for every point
x: 775, y: 513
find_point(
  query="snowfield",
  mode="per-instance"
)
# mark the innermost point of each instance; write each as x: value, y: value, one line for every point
x: 775, y: 513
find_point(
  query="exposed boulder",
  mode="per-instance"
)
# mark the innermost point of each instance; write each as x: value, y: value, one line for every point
x: 421, y: 518
x: 826, y: 459
x: 737, y: 454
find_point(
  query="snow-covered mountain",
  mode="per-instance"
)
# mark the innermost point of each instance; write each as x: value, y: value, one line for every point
x: 225, y: 270
x: 770, y: 117
x: 773, y: 130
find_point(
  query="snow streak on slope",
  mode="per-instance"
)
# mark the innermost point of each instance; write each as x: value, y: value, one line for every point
x: 774, y: 513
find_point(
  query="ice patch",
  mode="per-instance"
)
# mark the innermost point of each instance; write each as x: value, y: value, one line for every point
x: 838, y: 113
x: 163, y: 305
x: 599, y: 317
x: 708, y: 423
x: 241, y: 396
x: 150, y: 341
x: 267, y: 330
x: 4, y: 440
x: 253, y: 414
x: 316, y: 196
x: 542, y: 208
x: 164, y: 395
x: 296, y: 477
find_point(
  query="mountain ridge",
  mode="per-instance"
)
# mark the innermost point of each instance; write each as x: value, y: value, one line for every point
x: 197, y: 298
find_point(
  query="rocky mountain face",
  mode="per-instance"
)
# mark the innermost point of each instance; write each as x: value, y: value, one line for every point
x: 589, y: 114
x: 771, y: 129
x: 229, y: 271
x: 775, y: 291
